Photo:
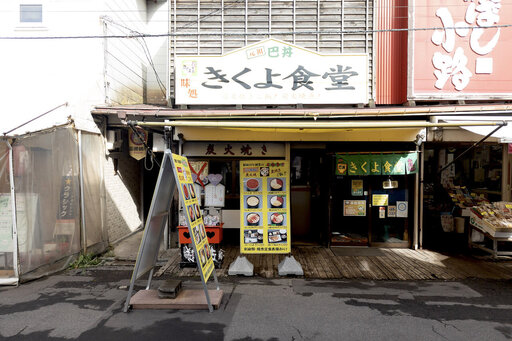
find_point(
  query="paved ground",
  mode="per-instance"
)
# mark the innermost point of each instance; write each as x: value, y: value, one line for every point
x: 87, y: 305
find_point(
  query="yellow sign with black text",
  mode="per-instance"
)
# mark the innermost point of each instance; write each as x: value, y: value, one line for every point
x: 265, y: 207
x: 189, y: 198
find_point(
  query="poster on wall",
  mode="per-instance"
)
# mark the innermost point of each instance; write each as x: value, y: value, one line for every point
x: 357, y: 188
x: 354, y: 208
x: 401, y: 209
x: 194, y: 218
x: 380, y: 199
x: 264, y: 207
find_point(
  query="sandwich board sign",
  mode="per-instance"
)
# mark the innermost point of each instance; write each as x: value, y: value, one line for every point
x: 174, y: 174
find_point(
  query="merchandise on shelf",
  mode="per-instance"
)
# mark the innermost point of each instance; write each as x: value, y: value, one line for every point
x: 497, y: 214
x: 462, y: 197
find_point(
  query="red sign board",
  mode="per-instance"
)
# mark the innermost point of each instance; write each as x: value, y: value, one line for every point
x: 458, y: 49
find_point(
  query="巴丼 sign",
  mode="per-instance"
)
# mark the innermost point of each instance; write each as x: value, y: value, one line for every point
x: 272, y: 72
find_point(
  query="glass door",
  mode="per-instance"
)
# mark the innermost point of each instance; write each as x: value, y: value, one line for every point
x: 391, y: 211
x: 349, y: 216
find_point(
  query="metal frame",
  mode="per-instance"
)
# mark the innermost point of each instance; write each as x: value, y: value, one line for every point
x: 494, y: 251
x: 14, y: 225
x: 160, y: 219
x: 141, y: 269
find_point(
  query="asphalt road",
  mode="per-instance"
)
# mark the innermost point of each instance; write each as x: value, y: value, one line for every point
x: 87, y: 305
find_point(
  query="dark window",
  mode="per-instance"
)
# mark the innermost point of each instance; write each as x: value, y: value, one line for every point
x: 31, y: 13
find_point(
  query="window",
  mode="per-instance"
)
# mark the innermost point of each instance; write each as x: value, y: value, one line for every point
x: 31, y: 13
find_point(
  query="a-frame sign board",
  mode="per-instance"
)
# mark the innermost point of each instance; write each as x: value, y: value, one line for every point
x: 174, y: 173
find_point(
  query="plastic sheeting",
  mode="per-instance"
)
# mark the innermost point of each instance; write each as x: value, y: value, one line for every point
x: 93, y: 157
x: 47, y: 186
x: 7, y: 275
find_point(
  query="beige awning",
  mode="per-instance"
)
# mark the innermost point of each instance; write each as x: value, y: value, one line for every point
x: 304, y: 130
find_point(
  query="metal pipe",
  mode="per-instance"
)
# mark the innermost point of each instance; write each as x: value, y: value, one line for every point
x: 416, y: 204
x: 35, y: 118
x: 316, y: 113
x: 315, y: 124
x: 82, y: 197
x: 422, y: 176
x: 505, y: 173
x: 13, y: 213
x: 473, y: 146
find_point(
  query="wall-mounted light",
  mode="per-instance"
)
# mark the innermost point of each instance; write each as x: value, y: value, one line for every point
x: 389, y: 184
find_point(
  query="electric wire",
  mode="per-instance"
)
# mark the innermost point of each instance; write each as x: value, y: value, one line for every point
x: 242, y: 34
x: 145, y: 49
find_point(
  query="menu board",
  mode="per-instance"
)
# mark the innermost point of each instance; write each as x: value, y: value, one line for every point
x: 265, y: 207
x: 189, y: 199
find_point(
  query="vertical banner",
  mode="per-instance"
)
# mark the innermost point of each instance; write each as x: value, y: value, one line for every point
x: 265, y: 207
x: 194, y: 218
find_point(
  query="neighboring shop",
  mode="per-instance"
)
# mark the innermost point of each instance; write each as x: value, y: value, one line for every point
x: 373, y: 196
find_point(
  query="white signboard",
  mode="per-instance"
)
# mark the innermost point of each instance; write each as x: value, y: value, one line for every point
x: 272, y: 72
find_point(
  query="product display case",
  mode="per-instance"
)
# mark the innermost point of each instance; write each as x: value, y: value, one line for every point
x: 491, y: 228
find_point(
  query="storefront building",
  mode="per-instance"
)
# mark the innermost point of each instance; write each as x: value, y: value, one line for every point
x: 277, y: 88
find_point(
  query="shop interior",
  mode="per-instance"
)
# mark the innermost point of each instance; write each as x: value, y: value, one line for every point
x: 475, y: 177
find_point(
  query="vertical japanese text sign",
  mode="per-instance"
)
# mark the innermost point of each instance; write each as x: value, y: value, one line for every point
x: 463, y: 53
x: 264, y: 207
x: 192, y: 211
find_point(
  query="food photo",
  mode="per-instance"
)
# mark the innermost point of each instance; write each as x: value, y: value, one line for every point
x: 252, y: 201
x: 253, y: 219
x: 276, y: 201
x: 185, y: 192
x: 253, y: 236
x: 276, y: 218
x: 276, y: 184
x: 277, y: 236
x: 191, y: 213
x: 252, y: 185
x: 192, y: 191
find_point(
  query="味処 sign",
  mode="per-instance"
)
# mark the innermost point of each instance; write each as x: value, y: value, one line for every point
x: 272, y: 72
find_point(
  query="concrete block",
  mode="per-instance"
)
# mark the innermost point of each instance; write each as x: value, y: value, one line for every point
x: 289, y: 266
x: 241, y: 266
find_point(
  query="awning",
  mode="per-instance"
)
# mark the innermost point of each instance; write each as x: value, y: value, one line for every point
x: 304, y: 130
x: 504, y: 134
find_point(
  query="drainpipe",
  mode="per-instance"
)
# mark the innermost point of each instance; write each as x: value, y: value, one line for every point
x: 82, y: 198
x: 13, y: 209
x: 416, y: 202
x: 422, y: 174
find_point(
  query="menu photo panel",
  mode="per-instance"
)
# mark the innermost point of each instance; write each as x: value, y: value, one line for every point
x: 192, y: 210
x: 264, y: 207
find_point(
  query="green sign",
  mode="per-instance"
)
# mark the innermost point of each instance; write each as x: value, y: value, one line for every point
x: 377, y: 164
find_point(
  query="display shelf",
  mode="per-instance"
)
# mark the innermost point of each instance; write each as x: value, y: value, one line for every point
x: 495, y: 234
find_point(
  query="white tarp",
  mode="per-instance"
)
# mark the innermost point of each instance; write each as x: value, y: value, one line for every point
x: 504, y: 133
x: 17, y: 116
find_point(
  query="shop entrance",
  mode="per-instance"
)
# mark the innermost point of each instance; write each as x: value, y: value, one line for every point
x: 372, y: 211
x: 309, y: 176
